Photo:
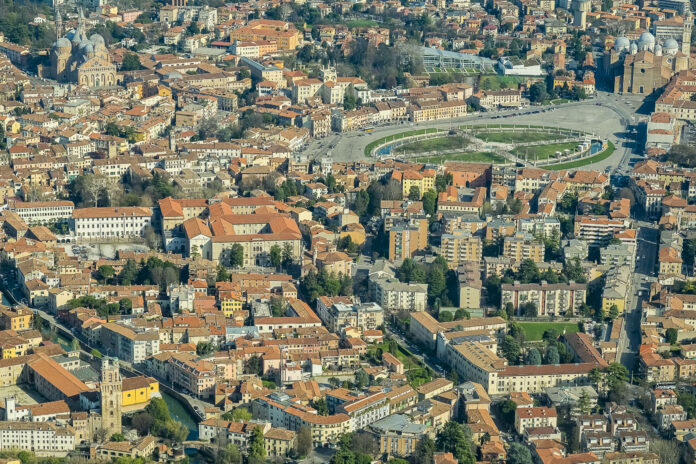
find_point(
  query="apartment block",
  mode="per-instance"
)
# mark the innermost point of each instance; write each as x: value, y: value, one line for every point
x: 550, y: 299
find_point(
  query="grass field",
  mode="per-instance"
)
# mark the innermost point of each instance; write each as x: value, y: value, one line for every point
x: 471, y: 157
x: 361, y: 23
x: 542, y: 152
x: 535, y: 330
x: 437, y: 144
x: 583, y: 162
x: 517, y: 137
x: 372, y: 145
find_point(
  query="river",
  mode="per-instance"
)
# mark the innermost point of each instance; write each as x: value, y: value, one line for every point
x: 180, y: 413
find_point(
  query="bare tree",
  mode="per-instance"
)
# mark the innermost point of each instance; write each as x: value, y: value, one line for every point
x: 668, y: 452
x: 101, y: 434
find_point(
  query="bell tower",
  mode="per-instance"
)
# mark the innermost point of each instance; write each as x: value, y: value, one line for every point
x: 111, y: 386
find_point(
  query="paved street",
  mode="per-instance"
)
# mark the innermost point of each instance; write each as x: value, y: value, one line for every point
x: 646, y: 255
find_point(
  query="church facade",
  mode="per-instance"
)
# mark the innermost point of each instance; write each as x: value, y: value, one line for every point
x: 82, y: 60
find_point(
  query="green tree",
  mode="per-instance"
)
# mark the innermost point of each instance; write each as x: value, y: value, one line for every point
x: 158, y: 409
x: 584, y: 404
x: 552, y: 356
x: 529, y: 309
x: 303, y: 442
x: 229, y: 455
x: 125, y: 305
x: 671, y: 336
x: 256, y: 444
x: 436, y: 284
x: 222, y: 274
x: 142, y: 422
x: 362, y: 201
x: 287, y: 255
x: 510, y: 349
x: 688, y: 402
x: 508, y: 408
x: 106, y: 272
x: 430, y: 202
x: 131, y: 62
x: 424, y: 451
x: 117, y: 437
x: 519, y: 454
x: 613, y: 312
x: 414, y: 194
x: 533, y: 357
x: 321, y: 406
x: 276, y: 256
x: 237, y: 255
x: 237, y: 414
x: 456, y: 439
x: 361, y: 379
x: 253, y: 365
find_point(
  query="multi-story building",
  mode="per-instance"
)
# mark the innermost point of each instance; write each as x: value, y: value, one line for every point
x: 129, y: 343
x: 125, y: 221
x: 535, y: 417
x: 616, y: 285
x: 284, y: 34
x: 405, y: 238
x: 18, y: 319
x: 521, y: 247
x: 215, y: 237
x: 43, y: 212
x: 397, y: 435
x: 235, y: 432
x: 194, y: 377
x: 42, y: 438
x: 394, y: 295
x: 284, y: 411
x: 497, y: 98
x: 423, y: 180
x: 598, y: 230
x: 365, y: 411
x: 461, y: 246
x: 550, y: 299
x: 340, y: 315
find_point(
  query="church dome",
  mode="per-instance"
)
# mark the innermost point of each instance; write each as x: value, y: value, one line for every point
x: 97, y: 40
x: 621, y: 44
x: 173, y: 75
x: 634, y: 48
x: 646, y: 38
x: 658, y: 50
x: 62, y: 43
x: 671, y: 46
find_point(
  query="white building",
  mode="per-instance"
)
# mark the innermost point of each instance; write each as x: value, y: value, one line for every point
x: 43, y: 212
x: 42, y: 438
x: 111, y: 222
x: 393, y: 295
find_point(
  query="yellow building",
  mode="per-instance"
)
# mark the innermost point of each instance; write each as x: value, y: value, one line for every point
x: 284, y: 34
x: 18, y: 319
x: 278, y: 442
x: 230, y: 302
x: 424, y: 181
x: 138, y: 390
x: 616, y: 289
